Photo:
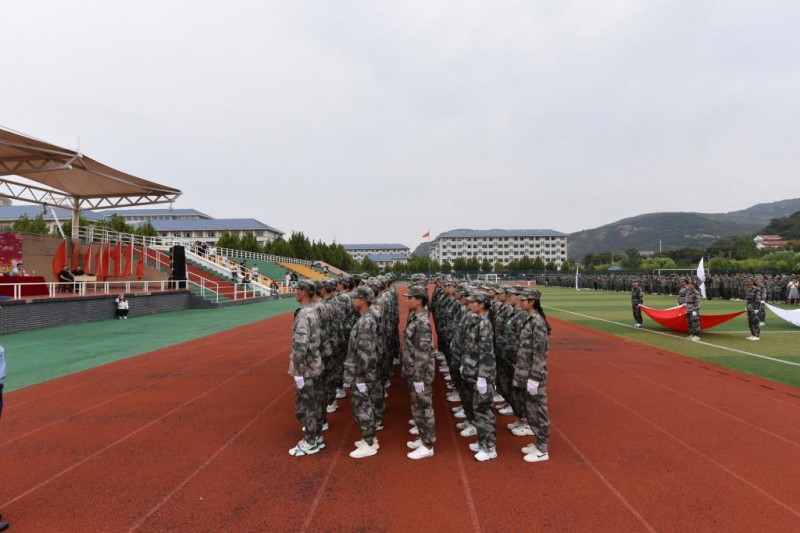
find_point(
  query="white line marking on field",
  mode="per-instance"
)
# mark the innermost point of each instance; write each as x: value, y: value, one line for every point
x: 792, y: 363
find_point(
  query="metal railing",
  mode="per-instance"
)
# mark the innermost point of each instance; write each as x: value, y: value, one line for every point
x: 85, y: 288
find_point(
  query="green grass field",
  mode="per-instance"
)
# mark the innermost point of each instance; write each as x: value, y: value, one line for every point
x: 724, y: 345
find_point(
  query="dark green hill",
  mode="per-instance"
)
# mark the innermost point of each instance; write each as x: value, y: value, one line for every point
x: 676, y: 230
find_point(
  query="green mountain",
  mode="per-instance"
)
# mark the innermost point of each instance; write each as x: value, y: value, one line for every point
x: 423, y: 250
x: 675, y: 230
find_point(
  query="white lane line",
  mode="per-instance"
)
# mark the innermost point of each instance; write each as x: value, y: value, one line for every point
x: 792, y: 363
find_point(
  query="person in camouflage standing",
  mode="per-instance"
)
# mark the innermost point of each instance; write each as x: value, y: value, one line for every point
x: 530, y: 375
x: 379, y: 310
x: 693, y: 312
x: 419, y: 369
x: 305, y: 366
x: 762, y: 302
x: 637, y: 299
x: 479, y: 372
x: 360, y: 371
x: 682, y: 292
x: 753, y: 299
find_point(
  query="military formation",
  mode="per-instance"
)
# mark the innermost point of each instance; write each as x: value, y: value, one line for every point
x: 491, y: 343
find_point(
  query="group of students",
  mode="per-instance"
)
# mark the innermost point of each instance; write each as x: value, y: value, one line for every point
x: 492, y: 341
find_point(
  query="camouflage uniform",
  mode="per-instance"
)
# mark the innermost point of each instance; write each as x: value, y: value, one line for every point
x: 465, y: 321
x: 762, y: 308
x: 506, y: 360
x: 478, y: 361
x: 327, y: 339
x: 693, y: 312
x: 361, y: 366
x: 637, y: 299
x: 306, y: 362
x: 418, y: 366
x: 378, y: 390
x: 753, y: 302
x: 531, y: 364
x: 682, y: 294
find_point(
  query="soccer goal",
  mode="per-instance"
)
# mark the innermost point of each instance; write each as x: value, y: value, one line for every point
x: 489, y: 278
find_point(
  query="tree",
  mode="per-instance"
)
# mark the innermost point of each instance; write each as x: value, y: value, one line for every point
x: 525, y: 264
x: 538, y: 264
x: 460, y: 264
x: 227, y: 240
x: 499, y: 267
x: 447, y: 267
x: 566, y: 265
x: 551, y: 266
x: 281, y: 248
x: 300, y: 245
x: 117, y: 223
x: 36, y: 225
x: 249, y: 243
x: 146, y: 230
x: 473, y: 265
x: 369, y: 266
x: 67, y: 226
x: 486, y: 266
x: 633, y: 259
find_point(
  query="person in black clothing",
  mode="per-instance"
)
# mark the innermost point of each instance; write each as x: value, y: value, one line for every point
x: 65, y: 276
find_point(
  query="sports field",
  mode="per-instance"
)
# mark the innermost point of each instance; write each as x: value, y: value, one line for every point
x: 776, y: 356
x: 193, y: 436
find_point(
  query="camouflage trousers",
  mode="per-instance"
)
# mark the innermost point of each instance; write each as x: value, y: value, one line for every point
x: 363, y: 411
x: 307, y: 409
x: 335, y: 377
x: 505, y: 386
x: 538, y: 418
x: 422, y: 412
x: 637, y: 314
x: 463, y: 389
x: 754, y: 321
x: 376, y: 392
x: 762, y: 312
x: 485, y: 419
x: 694, y: 323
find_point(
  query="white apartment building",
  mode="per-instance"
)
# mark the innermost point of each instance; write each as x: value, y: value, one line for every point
x: 500, y: 245
x: 389, y: 252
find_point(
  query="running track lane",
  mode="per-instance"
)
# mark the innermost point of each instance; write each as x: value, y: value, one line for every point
x: 189, y: 441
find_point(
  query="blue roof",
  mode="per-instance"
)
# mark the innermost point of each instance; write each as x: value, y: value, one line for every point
x: 13, y: 212
x: 216, y: 224
x: 384, y: 246
x: 387, y: 257
x: 501, y: 233
x: 153, y: 212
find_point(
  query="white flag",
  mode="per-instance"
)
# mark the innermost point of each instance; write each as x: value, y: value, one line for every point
x: 701, y: 275
x: 576, y: 278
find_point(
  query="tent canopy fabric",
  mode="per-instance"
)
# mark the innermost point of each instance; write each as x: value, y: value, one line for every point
x: 67, y: 175
x: 675, y: 318
x: 791, y: 316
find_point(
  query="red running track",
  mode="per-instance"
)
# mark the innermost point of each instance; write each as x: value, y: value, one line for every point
x: 195, y: 437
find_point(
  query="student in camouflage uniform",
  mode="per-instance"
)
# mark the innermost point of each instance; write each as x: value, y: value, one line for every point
x: 327, y: 335
x: 693, y: 312
x: 637, y: 299
x: 753, y: 300
x: 419, y: 369
x: 464, y: 321
x: 682, y: 293
x: 378, y: 310
x: 507, y: 356
x: 479, y: 372
x: 306, y: 367
x: 530, y: 375
x: 762, y: 302
x: 360, y: 371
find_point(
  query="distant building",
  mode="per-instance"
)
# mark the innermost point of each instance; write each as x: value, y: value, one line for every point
x: 134, y: 216
x: 500, y: 245
x: 11, y: 213
x: 770, y: 241
x: 5, y: 202
x: 383, y: 254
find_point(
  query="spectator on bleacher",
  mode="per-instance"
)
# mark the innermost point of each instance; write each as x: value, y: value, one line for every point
x: 122, y: 307
x: 288, y: 279
x: 19, y: 270
x: 212, y: 253
x: 3, y: 525
x: 4, y: 271
x: 65, y: 276
x: 254, y: 271
x: 274, y: 287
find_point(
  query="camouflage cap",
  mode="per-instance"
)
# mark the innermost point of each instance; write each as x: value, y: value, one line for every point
x: 530, y: 294
x: 515, y: 291
x: 305, y: 285
x: 479, y: 297
x: 463, y: 290
x: 416, y: 292
x: 329, y: 284
x: 365, y: 293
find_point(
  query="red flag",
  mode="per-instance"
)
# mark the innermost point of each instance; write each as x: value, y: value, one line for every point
x: 76, y: 253
x: 107, y: 260
x: 59, y: 258
x: 427, y: 234
x: 140, y: 263
x: 116, y: 255
x: 98, y: 260
x: 128, y: 253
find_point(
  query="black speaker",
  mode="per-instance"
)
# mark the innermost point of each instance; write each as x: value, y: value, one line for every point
x: 178, y: 255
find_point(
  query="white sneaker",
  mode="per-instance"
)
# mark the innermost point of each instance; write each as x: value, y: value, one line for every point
x: 694, y: 338
x: 460, y: 414
x: 362, y: 442
x: 325, y: 427
x: 522, y: 431
x: 387, y: 384
x: 514, y: 425
x: 530, y: 448
x: 450, y: 386
x: 498, y: 398
x: 332, y: 407
x: 474, y: 446
x: 453, y: 397
x: 463, y: 425
x: 762, y: 324
x: 340, y: 393
x: 753, y: 338
x: 536, y: 455
x: 412, y: 422
x: 303, y: 448
x: 457, y: 408
x: 414, y: 444
x: 507, y: 410
x: 364, y: 450
x: 486, y: 455
x: 414, y: 431
x: 637, y: 325
x: 422, y: 452
x: 379, y: 426
x: 469, y: 431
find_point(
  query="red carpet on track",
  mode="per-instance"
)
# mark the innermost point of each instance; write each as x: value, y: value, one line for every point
x: 195, y: 437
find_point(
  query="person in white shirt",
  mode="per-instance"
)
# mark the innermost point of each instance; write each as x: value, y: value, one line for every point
x: 122, y: 307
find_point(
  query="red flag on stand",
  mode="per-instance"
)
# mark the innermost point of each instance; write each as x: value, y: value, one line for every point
x: 128, y: 253
x: 116, y: 254
x: 76, y: 253
x: 106, y: 260
x: 140, y: 263
x: 59, y: 258
x: 98, y: 260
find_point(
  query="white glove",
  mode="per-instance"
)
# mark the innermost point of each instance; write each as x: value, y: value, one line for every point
x: 419, y: 387
x: 461, y: 370
x: 482, y: 388
x: 694, y: 313
x: 763, y: 302
x: 362, y: 387
x: 533, y: 387
x: 299, y: 381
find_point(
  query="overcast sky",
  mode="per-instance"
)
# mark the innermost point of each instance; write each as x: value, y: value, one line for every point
x: 370, y: 121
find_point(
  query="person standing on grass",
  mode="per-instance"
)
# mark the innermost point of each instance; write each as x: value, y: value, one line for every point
x: 419, y: 370
x: 637, y: 299
x: 682, y: 292
x: 3, y: 525
x: 305, y: 366
x: 753, y: 299
x: 693, y: 312
x: 794, y: 291
x: 361, y: 372
x: 530, y: 375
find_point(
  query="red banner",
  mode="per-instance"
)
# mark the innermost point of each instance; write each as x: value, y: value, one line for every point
x: 76, y: 253
x: 140, y: 264
x: 107, y: 260
x: 128, y: 253
x: 116, y: 255
x: 59, y: 258
x: 10, y: 250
